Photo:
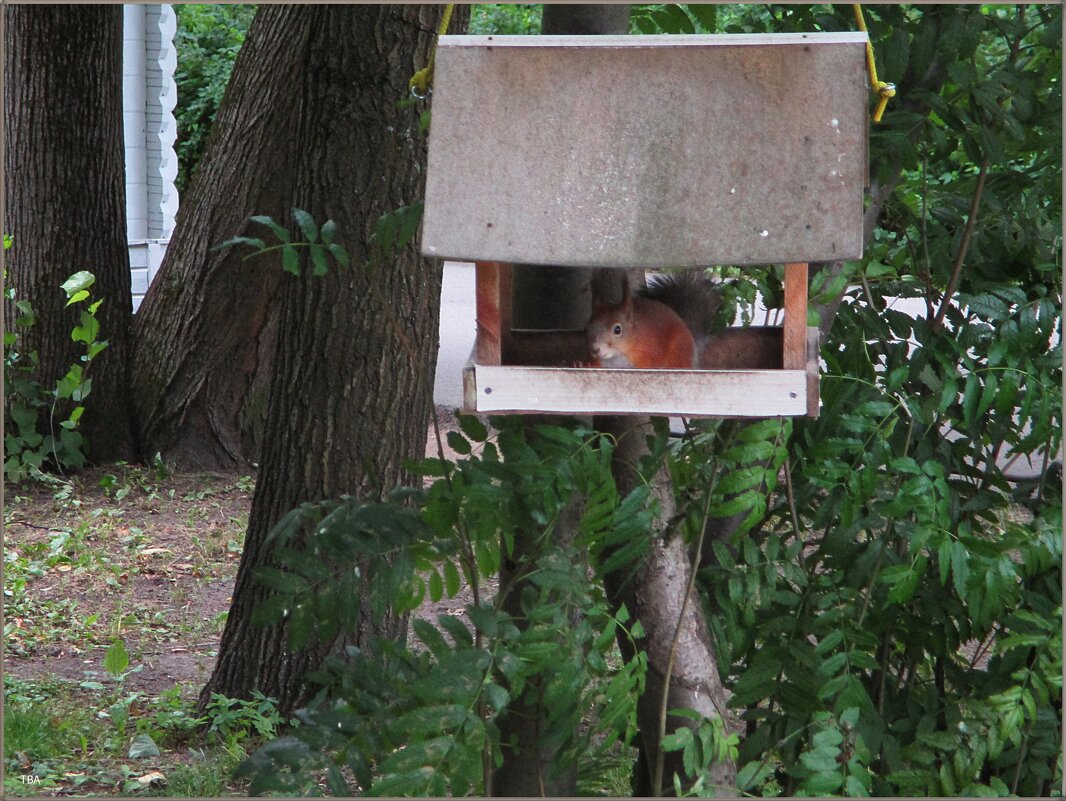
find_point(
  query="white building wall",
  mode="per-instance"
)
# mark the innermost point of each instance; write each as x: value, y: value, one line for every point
x: 161, y: 26
x: 134, y: 122
x: 149, y: 97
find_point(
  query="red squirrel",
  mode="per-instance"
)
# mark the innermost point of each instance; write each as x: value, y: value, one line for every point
x: 665, y: 326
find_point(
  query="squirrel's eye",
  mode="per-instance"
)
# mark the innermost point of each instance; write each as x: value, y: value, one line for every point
x: 618, y: 329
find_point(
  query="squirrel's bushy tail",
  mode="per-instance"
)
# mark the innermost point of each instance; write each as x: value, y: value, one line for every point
x: 691, y: 294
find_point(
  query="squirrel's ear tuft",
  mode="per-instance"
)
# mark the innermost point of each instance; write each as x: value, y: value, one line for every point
x: 627, y: 296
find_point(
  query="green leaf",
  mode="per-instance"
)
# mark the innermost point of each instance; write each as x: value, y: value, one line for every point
x: 271, y: 610
x: 329, y: 230
x: 409, y: 783
x: 904, y: 580
x: 78, y: 282
x: 69, y: 384
x: 280, y: 232
x: 826, y: 781
x: 290, y: 260
x: 458, y: 443
x: 678, y: 739
x: 452, y: 581
x: 753, y: 774
x: 828, y: 739
x: 645, y: 24
x: 473, y: 428
x: 485, y: 619
x: 94, y: 350
x: 281, y: 581
x: 319, y: 267
x: 395, y: 229
x: 457, y: 629
x: 78, y: 297
x: 960, y: 568
x: 672, y: 19
x: 943, y: 556
x: 338, y: 785
x: 892, y: 55
x: 410, y: 219
x: 72, y: 422
x: 430, y: 637
x: 116, y: 659
x: 252, y: 241
x: 759, y: 680
x: 706, y: 14
x: 143, y: 746
x: 88, y: 331
x: 340, y: 254
x: 988, y: 394
x: 440, y: 717
x: 24, y: 416
x: 436, y: 587
x: 71, y: 449
x: 307, y: 225
x: 302, y: 623
x: 497, y: 696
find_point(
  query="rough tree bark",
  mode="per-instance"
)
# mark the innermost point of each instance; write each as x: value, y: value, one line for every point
x: 205, y: 331
x: 65, y: 195
x: 352, y: 375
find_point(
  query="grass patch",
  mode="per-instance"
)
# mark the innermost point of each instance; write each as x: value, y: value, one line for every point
x: 96, y: 738
x: 117, y: 583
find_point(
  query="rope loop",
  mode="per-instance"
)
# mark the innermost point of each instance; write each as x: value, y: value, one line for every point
x: 883, y: 90
x: 422, y: 81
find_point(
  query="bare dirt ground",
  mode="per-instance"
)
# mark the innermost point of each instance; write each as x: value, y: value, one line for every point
x: 120, y: 552
x: 154, y: 567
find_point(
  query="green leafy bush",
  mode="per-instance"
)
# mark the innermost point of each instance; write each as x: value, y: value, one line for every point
x: 234, y: 719
x: 505, y: 19
x: 29, y: 407
x: 207, y: 42
x: 435, y: 702
x: 673, y: 18
x: 893, y: 616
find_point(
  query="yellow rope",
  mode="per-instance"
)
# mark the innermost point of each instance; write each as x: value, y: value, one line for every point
x: 421, y: 80
x: 883, y: 90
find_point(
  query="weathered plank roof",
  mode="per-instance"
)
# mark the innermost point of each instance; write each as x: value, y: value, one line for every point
x: 647, y: 150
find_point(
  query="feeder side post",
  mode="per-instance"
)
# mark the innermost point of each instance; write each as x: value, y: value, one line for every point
x: 488, y: 277
x: 795, y: 333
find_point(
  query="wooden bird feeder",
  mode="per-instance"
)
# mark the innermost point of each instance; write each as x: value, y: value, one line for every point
x: 645, y: 151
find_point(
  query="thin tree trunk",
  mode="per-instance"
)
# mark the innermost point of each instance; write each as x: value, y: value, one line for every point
x: 65, y: 190
x: 352, y: 374
x: 681, y: 657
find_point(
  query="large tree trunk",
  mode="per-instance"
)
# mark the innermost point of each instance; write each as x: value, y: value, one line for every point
x: 351, y: 385
x: 205, y: 331
x: 65, y: 190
